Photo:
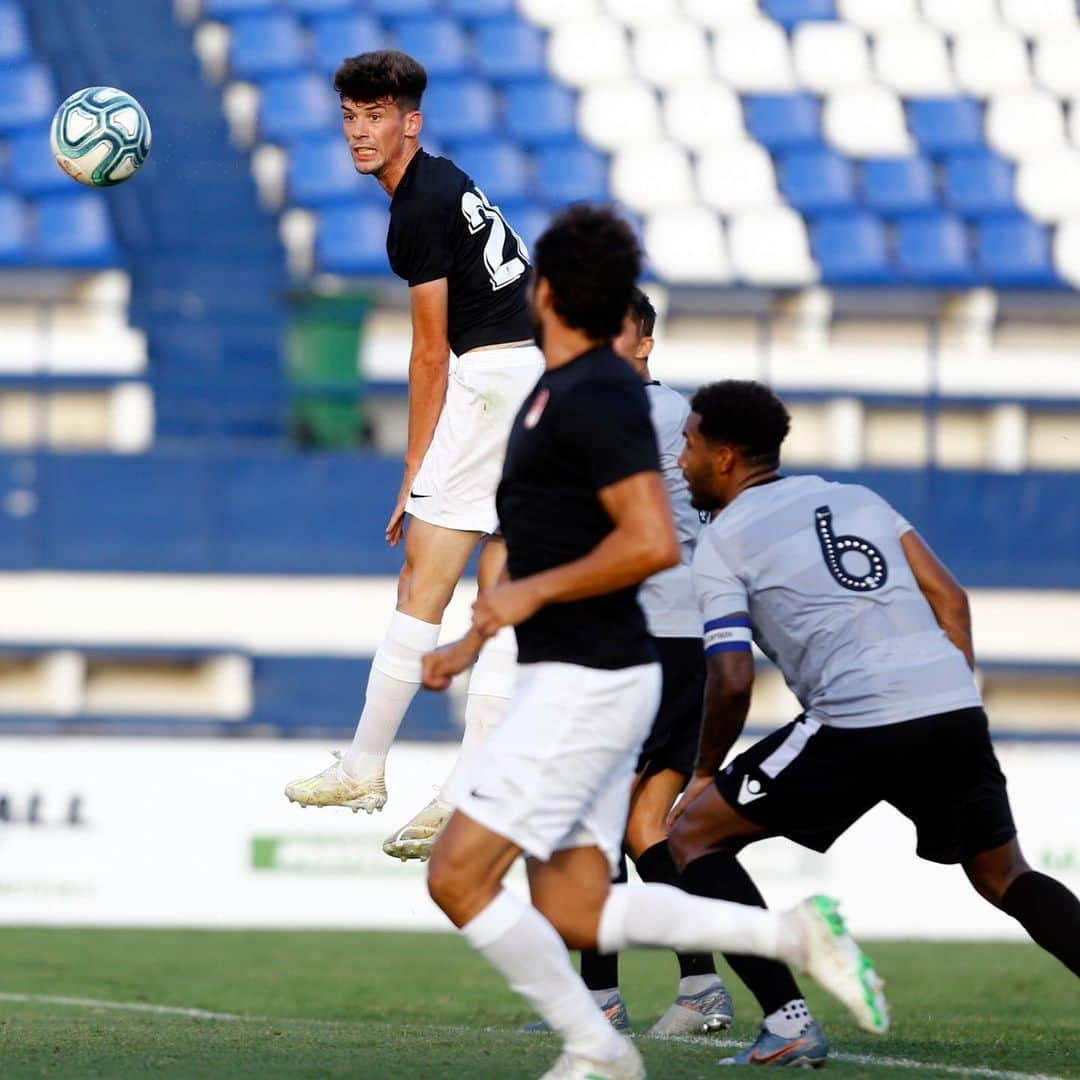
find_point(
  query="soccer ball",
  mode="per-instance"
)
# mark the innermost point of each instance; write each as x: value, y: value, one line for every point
x: 100, y: 136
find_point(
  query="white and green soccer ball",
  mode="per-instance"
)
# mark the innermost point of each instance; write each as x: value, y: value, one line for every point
x: 100, y: 136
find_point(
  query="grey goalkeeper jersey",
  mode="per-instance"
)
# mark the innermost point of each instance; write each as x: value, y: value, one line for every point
x: 668, y: 598
x: 832, y: 600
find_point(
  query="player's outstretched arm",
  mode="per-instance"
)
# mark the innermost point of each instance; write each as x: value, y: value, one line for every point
x: 944, y: 594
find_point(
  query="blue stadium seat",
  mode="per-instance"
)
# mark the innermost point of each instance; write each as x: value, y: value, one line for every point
x: 74, y: 230
x: 500, y: 169
x: 321, y: 171
x: 784, y: 121
x: 943, y: 125
x: 438, y: 43
x: 509, y: 49
x: 567, y: 174
x: 32, y: 169
x: 1015, y: 251
x: 313, y: 9
x: 934, y: 249
x: 479, y: 9
x: 352, y: 240
x: 456, y: 110
x: 540, y: 112
x: 898, y: 186
x: 817, y: 180
x: 13, y: 232
x: 263, y: 45
x: 392, y: 9
x: 336, y: 36
x: 790, y: 12
x: 230, y: 9
x: 14, y: 39
x: 292, y: 106
x: 979, y: 183
x: 851, y: 249
x: 27, y: 97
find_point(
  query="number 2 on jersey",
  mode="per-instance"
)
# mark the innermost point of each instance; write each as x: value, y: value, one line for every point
x: 479, y: 213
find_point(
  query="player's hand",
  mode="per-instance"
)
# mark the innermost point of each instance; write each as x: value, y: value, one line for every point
x: 440, y: 666
x: 697, y: 785
x: 505, y: 605
x: 395, y: 527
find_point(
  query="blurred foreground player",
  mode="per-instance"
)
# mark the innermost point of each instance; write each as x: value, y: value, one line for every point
x: 586, y: 519
x: 467, y: 272
x: 873, y: 635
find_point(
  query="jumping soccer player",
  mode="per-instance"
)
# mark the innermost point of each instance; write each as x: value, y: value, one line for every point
x: 873, y: 635
x: 467, y: 272
x: 586, y: 519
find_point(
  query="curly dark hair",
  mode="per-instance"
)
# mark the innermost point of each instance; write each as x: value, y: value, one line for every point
x: 643, y: 313
x: 745, y: 415
x: 591, y: 258
x: 378, y: 76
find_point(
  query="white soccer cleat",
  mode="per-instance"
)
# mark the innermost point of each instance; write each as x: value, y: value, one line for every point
x: 628, y: 1066
x: 335, y: 787
x: 416, y: 838
x: 832, y: 957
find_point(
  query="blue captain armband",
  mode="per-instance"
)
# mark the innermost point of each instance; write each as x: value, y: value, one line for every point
x: 732, y: 633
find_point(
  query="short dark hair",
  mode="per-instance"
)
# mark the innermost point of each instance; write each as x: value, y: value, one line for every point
x: 591, y: 258
x: 745, y: 415
x: 643, y: 313
x: 384, y: 74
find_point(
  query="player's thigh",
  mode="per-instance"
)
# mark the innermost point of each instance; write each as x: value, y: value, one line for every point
x: 570, y: 889
x: 651, y: 799
x: 435, y: 559
x: 710, y: 823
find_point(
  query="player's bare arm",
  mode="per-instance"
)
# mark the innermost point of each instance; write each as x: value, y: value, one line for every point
x: 944, y: 594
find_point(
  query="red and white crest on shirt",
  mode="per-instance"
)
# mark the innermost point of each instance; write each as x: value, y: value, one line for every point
x: 532, y: 417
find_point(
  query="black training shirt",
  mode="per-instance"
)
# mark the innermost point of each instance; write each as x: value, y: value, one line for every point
x: 442, y: 226
x: 585, y: 426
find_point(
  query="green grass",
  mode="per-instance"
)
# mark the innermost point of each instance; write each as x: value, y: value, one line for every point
x: 423, y: 1006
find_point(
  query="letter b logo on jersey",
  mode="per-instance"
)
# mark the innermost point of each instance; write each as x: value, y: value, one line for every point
x: 875, y: 572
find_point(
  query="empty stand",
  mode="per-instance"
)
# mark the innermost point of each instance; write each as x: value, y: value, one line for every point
x: 898, y: 186
x: 830, y: 55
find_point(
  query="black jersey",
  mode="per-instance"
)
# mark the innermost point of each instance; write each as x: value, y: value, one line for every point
x: 585, y: 426
x: 442, y: 226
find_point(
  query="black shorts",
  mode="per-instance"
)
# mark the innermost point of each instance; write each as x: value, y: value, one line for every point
x: 810, y: 783
x: 673, y: 741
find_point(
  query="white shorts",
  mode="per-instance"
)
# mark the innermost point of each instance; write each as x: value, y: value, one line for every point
x: 556, y: 773
x: 455, y: 487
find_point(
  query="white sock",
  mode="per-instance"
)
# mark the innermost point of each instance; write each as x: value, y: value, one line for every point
x: 663, y: 917
x: 523, y: 946
x: 483, y: 714
x: 790, y: 1020
x: 394, y: 680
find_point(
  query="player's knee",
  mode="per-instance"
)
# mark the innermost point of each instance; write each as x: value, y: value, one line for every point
x: 992, y: 872
x: 450, y: 885
x: 575, y: 923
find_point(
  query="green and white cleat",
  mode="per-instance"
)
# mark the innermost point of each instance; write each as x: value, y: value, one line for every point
x: 832, y: 957
x: 416, y: 838
x: 335, y: 787
x: 628, y: 1066
x: 704, y: 1013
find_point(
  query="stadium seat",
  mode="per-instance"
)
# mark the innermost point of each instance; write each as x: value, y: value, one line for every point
x: 338, y: 36
x: 703, y: 114
x: 567, y: 174
x: 552, y: 13
x: 507, y: 49
x: 438, y: 43
x: 913, y: 60
x: 32, y: 169
x: 715, y: 16
x: 945, y: 125
x: 737, y: 176
x: 851, y: 249
x: 934, y: 250
x: 459, y: 109
x: 291, y: 106
x: 230, y: 9
x: 830, y: 55
x: 789, y: 13
x: 1048, y: 184
x: 784, y: 121
x: 653, y: 175
x: 394, y: 9
x: 74, y: 230
x: 320, y: 171
x: 1055, y: 63
x: 1066, y: 251
x: 990, y: 60
x: 14, y: 248
x: 501, y: 169
x: 866, y: 121
x: 641, y: 12
x: 1014, y: 251
x: 479, y: 9
x: 352, y: 240
x: 687, y: 246
x: 14, y: 39
x: 27, y: 97
x: 1034, y: 19
x: 611, y: 116
x: 979, y: 183
x: 1019, y: 122
x: 872, y: 14
x: 899, y: 186
x: 769, y: 248
x: 589, y: 52
x: 309, y: 9
x: 671, y: 53
x: 954, y: 16
x: 540, y: 112
x: 816, y: 180
x: 263, y: 45
x: 754, y: 57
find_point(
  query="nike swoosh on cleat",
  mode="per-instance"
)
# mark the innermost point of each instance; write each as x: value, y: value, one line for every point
x: 776, y: 1055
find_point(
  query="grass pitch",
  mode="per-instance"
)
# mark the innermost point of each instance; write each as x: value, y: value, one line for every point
x: 381, y: 1005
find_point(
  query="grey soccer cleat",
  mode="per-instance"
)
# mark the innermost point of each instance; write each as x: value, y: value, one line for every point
x: 703, y: 1013
x: 613, y: 1009
x: 416, y: 838
x: 806, y: 1051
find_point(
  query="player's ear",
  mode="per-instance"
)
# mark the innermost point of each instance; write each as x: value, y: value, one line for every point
x: 645, y: 348
x: 541, y: 291
x: 414, y: 122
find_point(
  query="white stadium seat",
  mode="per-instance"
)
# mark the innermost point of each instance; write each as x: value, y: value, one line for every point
x: 737, y: 176
x: 637, y: 12
x: 671, y: 53
x: 703, y: 114
x: 1033, y: 18
x: 991, y: 60
x: 557, y: 12
x: 952, y: 16
x: 754, y: 57
x: 770, y: 248
x: 1057, y: 61
x: 713, y: 14
x: 913, y: 59
x: 688, y: 246
x: 871, y: 14
x: 830, y: 55
x: 649, y: 176
x: 866, y: 121
x: 1048, y: 184
x: 618, y: 113
x: 1067, y: 251
x: 587, y: 52
x: 1020, y: 122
